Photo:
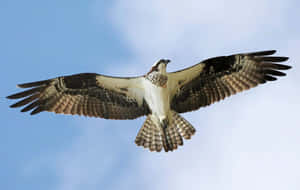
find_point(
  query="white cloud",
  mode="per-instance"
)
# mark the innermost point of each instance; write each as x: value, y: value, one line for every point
x: 177, y: 28
x: 97, y: 156
x: 246, y: 142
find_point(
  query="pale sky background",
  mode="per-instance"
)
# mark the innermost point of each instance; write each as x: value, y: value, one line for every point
x: 249, y: 141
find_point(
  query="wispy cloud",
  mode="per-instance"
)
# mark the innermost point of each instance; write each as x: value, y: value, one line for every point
x: 174, y: 28
x: 96, y: 157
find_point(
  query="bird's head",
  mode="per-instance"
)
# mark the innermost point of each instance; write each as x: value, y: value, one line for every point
x: 160, y: 66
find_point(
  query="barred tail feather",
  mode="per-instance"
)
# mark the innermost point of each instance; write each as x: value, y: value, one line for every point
x: 185, y: 129
x: 150, y: 136
x: 155, y: 137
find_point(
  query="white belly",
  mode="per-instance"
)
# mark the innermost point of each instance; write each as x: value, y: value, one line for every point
x: 157, y: 99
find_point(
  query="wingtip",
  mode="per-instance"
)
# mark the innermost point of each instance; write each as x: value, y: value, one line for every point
x: 12, y: 106
x: 284, y: 58
x: 271, y: 52
x: 9, y: 97
x: 33, y: 84
x: 270, y: 78
x: 288, y: 67
x: 283, y: 67
x: 13, y: 96
x: 262, y: 53
x: 22, y: 85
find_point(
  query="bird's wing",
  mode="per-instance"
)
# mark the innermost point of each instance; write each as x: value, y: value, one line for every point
x: 216, y: 78
x: 88, y: 94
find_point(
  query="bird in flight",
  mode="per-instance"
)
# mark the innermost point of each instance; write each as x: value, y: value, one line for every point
x: 159, y: 95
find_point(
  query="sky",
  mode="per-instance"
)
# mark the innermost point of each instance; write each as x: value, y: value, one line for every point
x: 248, y: 141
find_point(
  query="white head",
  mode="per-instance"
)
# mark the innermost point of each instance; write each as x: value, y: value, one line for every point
x: 160, y: 66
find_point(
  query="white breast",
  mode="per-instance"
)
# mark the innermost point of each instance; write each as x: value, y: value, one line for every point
x: 157, y: 99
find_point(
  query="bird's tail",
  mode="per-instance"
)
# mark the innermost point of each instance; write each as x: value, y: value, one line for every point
x: 167, y: 135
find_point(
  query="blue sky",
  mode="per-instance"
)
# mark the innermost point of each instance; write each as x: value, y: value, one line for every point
x: 248, y: 141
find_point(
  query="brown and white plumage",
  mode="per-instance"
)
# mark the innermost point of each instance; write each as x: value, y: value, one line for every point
x: 153, y: 137
x: 217, y: 78
x: 158, y: 95
x: 84, y: 94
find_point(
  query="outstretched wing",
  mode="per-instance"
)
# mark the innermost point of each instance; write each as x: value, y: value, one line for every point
x: 88, y: 94
x: 216, y: 78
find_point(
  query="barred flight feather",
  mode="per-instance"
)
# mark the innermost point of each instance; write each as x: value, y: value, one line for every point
x: 224, y: 76
x: 78, y: 94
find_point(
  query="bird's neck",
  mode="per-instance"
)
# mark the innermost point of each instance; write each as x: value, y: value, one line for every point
x: 157, y: 78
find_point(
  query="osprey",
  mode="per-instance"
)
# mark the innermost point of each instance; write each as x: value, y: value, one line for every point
x: 159, y: 95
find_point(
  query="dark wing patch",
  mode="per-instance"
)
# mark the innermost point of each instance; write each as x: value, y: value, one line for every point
x: 227, y: 75
x: 78, y: 94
